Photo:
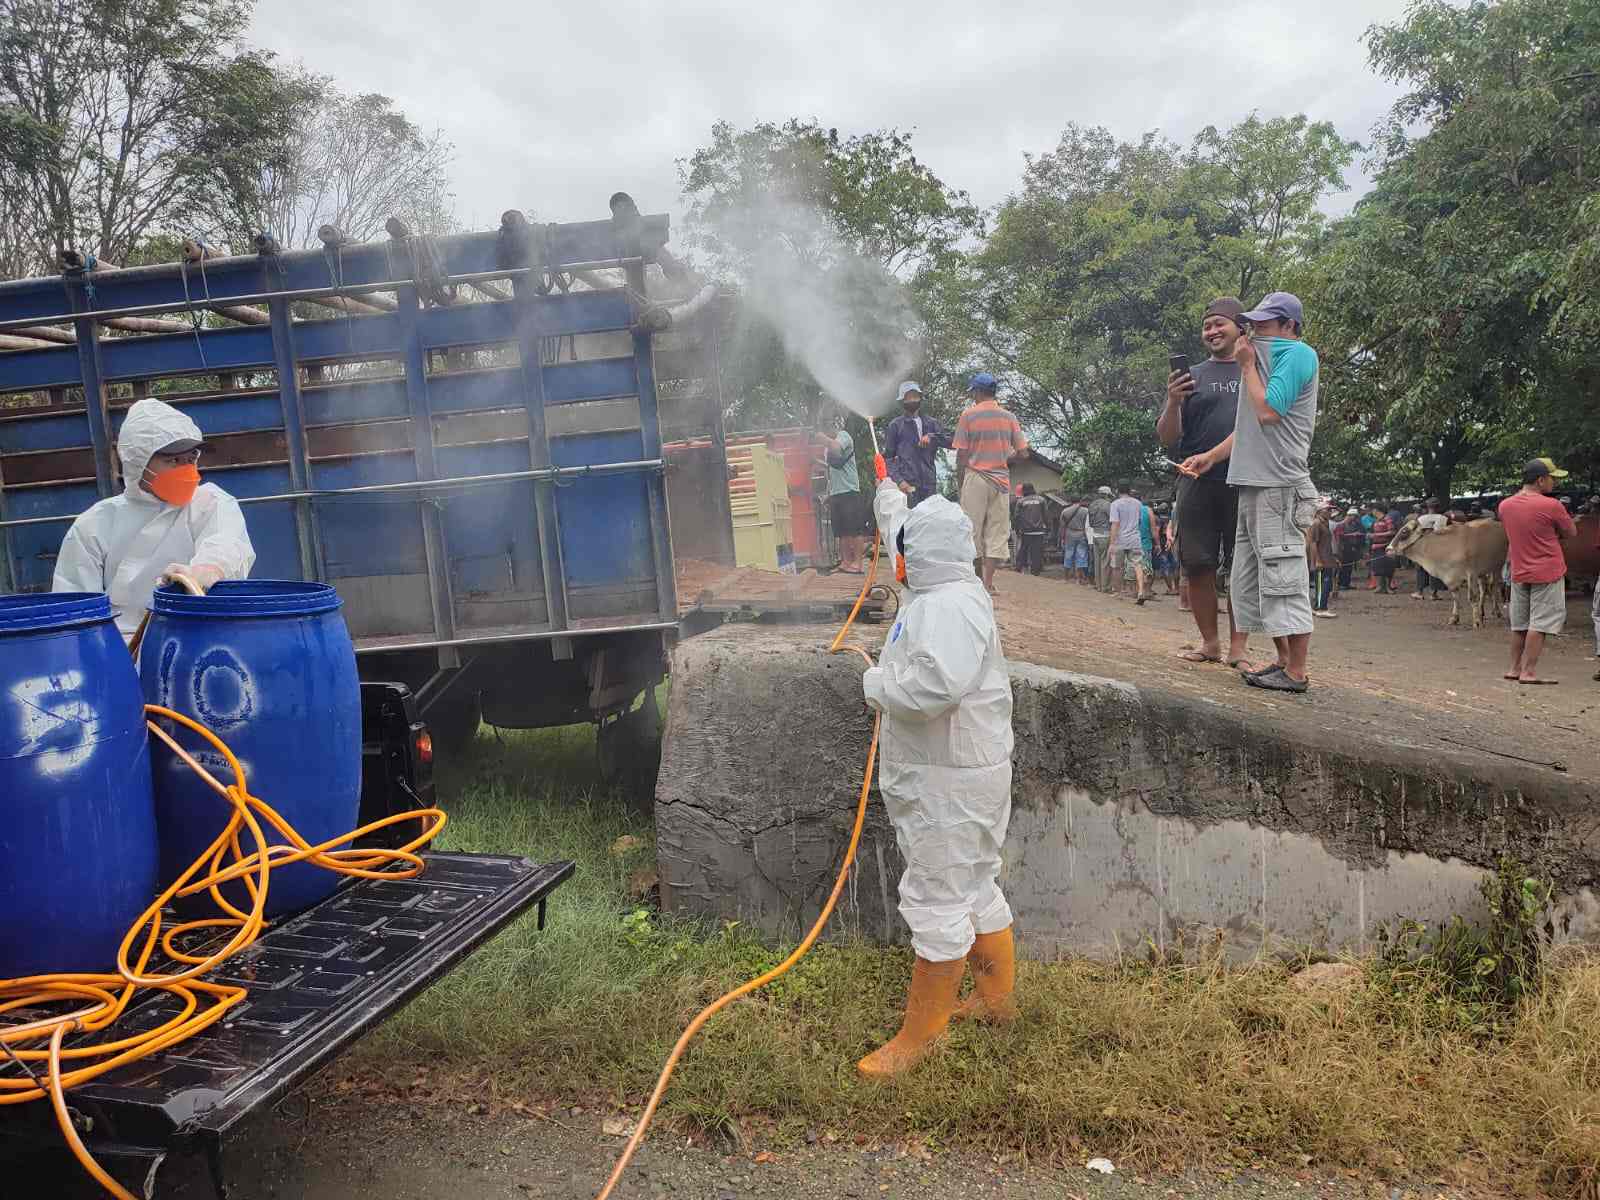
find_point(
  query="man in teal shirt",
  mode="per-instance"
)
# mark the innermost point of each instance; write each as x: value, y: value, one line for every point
x: 1277, y: 500
x: 848, y: 510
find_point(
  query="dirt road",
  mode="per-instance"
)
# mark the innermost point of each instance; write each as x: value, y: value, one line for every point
x: 322, y: 1146
x: 1388, y: 668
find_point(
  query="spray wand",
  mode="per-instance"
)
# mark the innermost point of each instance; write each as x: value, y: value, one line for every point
x: 879, y: 467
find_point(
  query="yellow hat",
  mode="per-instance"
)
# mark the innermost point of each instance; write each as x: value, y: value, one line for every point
x: 1538, y: 468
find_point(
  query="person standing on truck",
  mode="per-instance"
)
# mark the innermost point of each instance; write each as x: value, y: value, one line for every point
x: 911, y: 447
x: 847, y: 507
x: 166, y: 522
x: 944, y: 691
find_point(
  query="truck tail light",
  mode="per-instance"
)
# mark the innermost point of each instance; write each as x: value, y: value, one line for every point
x: 424, y: 744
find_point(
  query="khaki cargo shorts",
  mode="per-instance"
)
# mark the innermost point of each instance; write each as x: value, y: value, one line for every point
x: 1269, y: 591
x: 1539, y: 607
x: 989, y: 510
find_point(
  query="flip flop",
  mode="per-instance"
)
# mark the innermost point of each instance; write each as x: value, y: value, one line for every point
x: 1538, y: 682
x: 1516, y: 678
x: 1195, y: 656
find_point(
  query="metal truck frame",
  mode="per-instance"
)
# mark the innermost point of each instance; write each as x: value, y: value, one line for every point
x: 461, y: 433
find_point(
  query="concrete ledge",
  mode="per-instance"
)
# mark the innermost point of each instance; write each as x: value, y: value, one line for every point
x: 1138, y: 815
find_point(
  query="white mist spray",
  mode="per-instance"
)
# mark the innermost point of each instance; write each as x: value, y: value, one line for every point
x: 841, y: 315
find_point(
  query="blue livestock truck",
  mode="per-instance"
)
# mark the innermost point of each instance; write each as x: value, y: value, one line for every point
x: 463, y: 434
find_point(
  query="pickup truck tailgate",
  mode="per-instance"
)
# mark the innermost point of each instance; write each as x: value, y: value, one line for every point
x: 317, y: 983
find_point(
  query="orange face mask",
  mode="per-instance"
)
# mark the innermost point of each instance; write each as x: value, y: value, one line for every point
x: 176, y: 485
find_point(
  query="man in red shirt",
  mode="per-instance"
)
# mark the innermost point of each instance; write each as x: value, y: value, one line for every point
x: 1535, y: 522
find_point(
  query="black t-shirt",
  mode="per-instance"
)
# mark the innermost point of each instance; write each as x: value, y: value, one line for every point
x: 1209, y: 411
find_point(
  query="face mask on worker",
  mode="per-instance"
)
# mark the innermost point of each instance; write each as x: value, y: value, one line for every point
x: 176, y: 485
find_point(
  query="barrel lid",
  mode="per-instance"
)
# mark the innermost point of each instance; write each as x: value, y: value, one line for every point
x: 235, y: 598
x: 39, y: 612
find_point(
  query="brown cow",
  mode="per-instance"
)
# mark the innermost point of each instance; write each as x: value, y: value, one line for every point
x: 1583, y: 552
x: 1460, y: 556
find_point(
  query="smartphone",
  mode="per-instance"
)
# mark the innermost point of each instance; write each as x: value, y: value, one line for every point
x: 1178, y: 363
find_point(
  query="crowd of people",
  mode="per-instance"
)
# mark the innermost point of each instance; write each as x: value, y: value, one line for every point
x: 1246, y: 520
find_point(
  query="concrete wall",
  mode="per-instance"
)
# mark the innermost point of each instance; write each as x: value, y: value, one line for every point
x: 1138, y: 817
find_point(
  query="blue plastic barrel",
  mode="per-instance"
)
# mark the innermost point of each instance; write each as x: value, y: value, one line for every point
x: 268, y: 666
x: 77, y: 827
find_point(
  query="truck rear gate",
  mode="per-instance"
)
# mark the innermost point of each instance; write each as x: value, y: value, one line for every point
x: 317, y: 983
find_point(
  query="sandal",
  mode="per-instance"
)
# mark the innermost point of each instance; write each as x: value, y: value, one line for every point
x: 1256, y: 671
x: 1278, y: 681
x: 1195, y: 656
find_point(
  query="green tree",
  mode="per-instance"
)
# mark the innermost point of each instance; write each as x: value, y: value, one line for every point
x: 1114, y: 444
x: 1102, y: 264
x: 99, y: 94
x: 1255, y: 190
x: 1452, y: 300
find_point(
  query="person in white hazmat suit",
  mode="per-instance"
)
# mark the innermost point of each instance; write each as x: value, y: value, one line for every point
x: 165, y: 522
x: 944, y: 770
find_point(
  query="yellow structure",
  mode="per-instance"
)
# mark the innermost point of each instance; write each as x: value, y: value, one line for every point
x: 758, y: 490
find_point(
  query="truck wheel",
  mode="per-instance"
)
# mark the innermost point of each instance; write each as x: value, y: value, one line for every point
x: 629, y: 751
x: 454, y: 722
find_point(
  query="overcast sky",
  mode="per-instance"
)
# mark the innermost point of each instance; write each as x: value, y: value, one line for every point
x: 552, y: 107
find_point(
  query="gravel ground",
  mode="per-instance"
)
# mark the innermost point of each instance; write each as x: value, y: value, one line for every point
x: 326, y: 1148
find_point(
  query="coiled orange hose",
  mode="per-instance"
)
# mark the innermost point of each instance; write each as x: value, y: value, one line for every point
x: 800, y: 951
x: 99, y: 1000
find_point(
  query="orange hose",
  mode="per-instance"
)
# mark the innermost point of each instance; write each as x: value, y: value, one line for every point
x: 100, y: 999
x: 800, y: 951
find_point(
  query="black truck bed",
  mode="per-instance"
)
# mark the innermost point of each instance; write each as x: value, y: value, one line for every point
x: 317, y: 983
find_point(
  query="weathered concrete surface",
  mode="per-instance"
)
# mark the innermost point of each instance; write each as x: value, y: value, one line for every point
x: 1139, y: 816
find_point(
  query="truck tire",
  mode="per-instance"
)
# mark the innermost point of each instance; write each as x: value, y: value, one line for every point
x: 454, y: 722
x: 629, y: 751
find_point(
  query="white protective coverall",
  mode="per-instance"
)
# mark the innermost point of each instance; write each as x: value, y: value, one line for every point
x: 123, y: 544
x: 945, y: 764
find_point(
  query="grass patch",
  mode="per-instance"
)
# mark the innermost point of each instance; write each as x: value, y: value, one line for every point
x: 1169, y: 1065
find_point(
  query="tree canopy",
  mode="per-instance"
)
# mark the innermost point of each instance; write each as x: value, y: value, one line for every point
x: 127, y: 120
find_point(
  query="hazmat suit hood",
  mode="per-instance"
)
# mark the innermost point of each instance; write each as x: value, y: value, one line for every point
x: 149, y: 426
x: 939, y: 545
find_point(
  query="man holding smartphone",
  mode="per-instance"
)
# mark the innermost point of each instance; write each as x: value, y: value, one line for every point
x: 1277, y: 414
x: 1199, y: 416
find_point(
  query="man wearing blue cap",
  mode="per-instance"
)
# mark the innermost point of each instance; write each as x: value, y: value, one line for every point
x: 1277, y: 500
x: 987, y: 439
x: 911, y: 447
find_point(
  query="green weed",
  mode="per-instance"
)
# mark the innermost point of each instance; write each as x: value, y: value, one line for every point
x: 1434, y: 1065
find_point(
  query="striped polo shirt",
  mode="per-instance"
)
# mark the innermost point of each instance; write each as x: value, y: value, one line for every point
x: 990, y: 435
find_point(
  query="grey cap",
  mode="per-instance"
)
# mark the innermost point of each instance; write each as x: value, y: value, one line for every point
x: 908, y: 387
x: 1278, y: 306
x: 1103, y: 490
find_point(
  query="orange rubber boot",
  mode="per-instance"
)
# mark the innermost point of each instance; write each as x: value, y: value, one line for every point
x: 934, y: 986
x: 994, y: 976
